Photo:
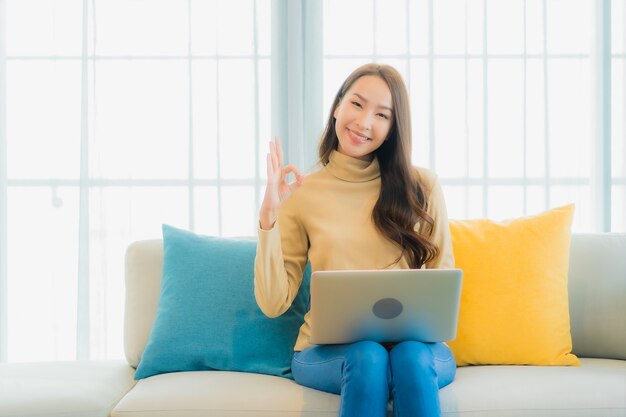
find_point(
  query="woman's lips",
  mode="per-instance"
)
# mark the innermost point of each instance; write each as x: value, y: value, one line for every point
x: 357, y: 137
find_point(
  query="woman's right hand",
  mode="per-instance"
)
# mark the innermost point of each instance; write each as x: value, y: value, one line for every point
x: 277, y: 189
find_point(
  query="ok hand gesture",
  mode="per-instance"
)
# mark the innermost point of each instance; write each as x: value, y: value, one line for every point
x: 277, y: 189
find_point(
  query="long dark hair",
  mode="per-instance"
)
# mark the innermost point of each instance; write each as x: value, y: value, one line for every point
x: 402, y: 203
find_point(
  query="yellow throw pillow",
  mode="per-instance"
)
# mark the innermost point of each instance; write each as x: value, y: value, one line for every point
x: 514, y: 303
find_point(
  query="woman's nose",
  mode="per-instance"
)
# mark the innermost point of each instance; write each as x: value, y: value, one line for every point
x: 365, y: 121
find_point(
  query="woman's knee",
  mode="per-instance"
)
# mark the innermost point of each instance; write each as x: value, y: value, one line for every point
x: 412, y: 354
x: 368, y: 359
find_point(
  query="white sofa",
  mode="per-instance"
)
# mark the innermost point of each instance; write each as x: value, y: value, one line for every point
x: 597, y: 288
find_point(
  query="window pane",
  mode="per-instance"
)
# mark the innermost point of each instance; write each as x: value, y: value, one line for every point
x: 141, y: 120
x: 476, y: 208
x: 579, y: 195
x: 505, y: 118
x: 204, y: 102
x: 618, y: 201
x: 505, y: 202
x: 204, y: 29
x: 449, y: 80
x: 569, y: 110
x: 353, y: 36
x: 418, y: 27
x: 569, y: 26
x: 449, y: 27
x: 239, y: 217
x: 535, y: 199
x: 456, y: 201
x: 142, y: 27
x: 264, y: 26
x: 535, y: 119
x: 43, y: 119
x: 43, y: 27
x: 505, y: 26
x: 534, y: 26
x: 236, y: 118
x: 475, y: 26
x: 119, y: 216
x: 137, y: 212
x: 43, y: 262
x: 391, y: 22
x: 618, y: 28
x: 265, y: 116
x: 206, y: 216
x: 463, y: 202
x: 475, y: 118
x: 420, y: 109
x: 226, y: 27
x: 236, y: 22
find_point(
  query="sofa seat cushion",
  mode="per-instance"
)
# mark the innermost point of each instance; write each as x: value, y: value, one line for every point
x: 595, y: 389
x: 75, y: 388
x: 224, y: 393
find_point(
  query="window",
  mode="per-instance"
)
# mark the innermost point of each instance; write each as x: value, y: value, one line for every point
x: 118, y: 116
x: 501, y: 96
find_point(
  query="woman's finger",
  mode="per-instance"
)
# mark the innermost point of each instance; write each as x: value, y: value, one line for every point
x: 279, y: 151
x: 299, y: 177
x: 269, y: 167
x: 275, y: 165
x: 291, y: 168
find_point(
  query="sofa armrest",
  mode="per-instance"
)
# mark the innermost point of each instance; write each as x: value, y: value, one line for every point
x: 144, y: 267
x: 597, y: 295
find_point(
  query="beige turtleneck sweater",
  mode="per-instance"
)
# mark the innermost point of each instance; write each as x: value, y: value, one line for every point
x: 328, y: 221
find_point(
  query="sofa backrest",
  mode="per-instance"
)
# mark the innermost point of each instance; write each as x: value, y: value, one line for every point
x: 597, y: 293
x: 144, y: 267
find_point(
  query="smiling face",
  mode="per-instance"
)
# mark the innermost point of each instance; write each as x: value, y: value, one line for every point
x: 364, y: 117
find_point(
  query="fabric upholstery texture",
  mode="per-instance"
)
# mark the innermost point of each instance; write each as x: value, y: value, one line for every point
x: 597, y: 295
x: 143, y: 272
x: 514, y: 303
x: 591, y: 390
x: 594, y: 389
x: 64, y: 388
x: 216, y: 393
x: 207, y: 317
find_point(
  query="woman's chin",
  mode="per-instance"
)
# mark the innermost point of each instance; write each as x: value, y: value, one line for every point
x: 356, y: 153
x: 359, y: 151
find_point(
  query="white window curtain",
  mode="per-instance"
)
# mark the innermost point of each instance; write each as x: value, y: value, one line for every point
x: 118, y: 116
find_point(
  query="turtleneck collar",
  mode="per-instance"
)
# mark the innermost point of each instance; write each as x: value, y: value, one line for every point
x: 352, y: 169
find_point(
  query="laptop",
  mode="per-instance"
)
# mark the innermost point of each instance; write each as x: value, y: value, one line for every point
x: 385, y: 305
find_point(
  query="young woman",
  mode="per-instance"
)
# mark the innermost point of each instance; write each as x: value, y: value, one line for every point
x: 366, y: 208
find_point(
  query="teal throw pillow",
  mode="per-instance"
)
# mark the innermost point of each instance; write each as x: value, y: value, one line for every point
x: 207, y: 317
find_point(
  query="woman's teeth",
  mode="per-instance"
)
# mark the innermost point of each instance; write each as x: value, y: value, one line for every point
x: 358, y: 137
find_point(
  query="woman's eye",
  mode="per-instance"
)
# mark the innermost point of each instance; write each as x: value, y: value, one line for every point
x: 357, y: 104
x: 384, y: 116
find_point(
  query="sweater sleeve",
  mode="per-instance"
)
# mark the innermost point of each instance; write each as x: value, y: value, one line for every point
x: 441, y: 229
x: 281, y: 257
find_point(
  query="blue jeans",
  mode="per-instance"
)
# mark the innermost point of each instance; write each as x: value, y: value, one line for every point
x: 367, y: 373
